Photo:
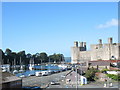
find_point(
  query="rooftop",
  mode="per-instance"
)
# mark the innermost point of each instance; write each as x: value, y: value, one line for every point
x: 8, y: 77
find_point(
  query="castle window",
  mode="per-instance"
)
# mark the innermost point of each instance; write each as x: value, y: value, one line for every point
x: 112, y: 56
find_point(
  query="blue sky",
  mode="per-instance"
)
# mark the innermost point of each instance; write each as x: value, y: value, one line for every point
x: 53, y: 27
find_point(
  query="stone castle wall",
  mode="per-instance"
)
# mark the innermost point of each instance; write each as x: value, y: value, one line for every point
x: 98, y: 52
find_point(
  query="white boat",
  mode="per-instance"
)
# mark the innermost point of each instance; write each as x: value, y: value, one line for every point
x: 42, y: 73
x: 3, y: 69
x: 22, y: 76
x: 38, y: 74
x: 31, y: 74
x: 15, y: 71
x: 21, y: 71
x: 31, y: 67
x: 62, y: 66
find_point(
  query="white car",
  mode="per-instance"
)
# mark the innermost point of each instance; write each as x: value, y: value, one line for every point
x: 54, y: 83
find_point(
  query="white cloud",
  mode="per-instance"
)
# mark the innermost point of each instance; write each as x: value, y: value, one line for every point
x: 112, y: 22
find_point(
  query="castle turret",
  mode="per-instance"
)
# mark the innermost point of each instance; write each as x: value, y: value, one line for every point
x: 75, y: 44
x: 110, y: 40
x: 81, y: 44
x: 84, y: 43
x: 100, y: 41
x: 75, y: 52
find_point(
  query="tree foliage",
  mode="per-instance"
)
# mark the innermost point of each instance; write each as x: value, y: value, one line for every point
x: 114, y: 77
x: 56, y: 58
x: 21, y: 57
x: 90, y: 74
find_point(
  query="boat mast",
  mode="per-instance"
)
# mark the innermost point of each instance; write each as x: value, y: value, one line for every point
x: 14, y: 64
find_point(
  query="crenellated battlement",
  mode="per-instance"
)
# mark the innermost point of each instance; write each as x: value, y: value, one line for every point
x: 98, y: 51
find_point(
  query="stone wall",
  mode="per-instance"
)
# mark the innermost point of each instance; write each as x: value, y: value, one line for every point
x: 99, y: 51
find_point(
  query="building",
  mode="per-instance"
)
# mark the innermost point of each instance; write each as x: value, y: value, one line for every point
x: 74, y: 78
x: 100, y: 51
x: 10, y: 81
x: 5, y: 67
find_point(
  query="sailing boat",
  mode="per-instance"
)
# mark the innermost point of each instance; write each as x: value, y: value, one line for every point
x: 15, y: 71
x: 49, y: 66
x: 21, y: 66
x: 31, y: 64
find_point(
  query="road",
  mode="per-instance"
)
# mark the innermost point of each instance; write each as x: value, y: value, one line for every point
x: 43, y: 80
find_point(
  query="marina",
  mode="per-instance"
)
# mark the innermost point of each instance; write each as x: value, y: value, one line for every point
x: 43, y: 69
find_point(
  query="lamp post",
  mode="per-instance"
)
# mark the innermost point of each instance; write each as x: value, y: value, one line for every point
x: 76, y: 75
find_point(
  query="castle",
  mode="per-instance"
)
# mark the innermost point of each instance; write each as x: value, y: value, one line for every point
x: 107, y: 51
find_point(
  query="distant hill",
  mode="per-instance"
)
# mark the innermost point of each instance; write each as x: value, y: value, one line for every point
x: 67, y: 59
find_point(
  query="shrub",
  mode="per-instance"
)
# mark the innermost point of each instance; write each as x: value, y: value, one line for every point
x: 114, y: 77
x: 104, y: 70
x: 90, y: 74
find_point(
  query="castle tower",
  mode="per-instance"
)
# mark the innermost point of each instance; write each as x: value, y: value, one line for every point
x: 75, y: 44
x: 100, y: 41
x: 75, y: 52
x: 84, y: 43
x: 81, y: 44
x: 110, y: 40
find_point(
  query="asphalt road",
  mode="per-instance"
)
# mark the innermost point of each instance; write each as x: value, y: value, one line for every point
x: 43, y: 80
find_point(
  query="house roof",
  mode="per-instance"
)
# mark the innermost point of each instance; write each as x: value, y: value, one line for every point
x: 100, y: 63
x: 107, y: 61
x: 8, y: 77
x: 72, y: 75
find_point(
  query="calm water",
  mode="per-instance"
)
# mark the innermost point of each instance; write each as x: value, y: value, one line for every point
x: 48, y: 67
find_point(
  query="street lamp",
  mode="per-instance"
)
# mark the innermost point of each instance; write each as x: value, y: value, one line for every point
x: 76, y: 77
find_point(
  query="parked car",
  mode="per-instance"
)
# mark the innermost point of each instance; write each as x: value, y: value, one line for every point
x: 31, y: 88
x: 54, y: 83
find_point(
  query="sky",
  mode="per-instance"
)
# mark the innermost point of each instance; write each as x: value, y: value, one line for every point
x: 52, y: 27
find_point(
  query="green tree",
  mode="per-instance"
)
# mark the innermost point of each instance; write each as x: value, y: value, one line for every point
x: 114, y: 77
x: 8, y: 51
x: 90, y: 74
x: 22, y: 56
x: 43, y: 57
x: 56, y: 57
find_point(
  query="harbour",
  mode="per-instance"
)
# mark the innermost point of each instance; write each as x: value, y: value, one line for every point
x: 40, y: 68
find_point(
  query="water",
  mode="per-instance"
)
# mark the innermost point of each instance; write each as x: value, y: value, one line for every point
x: 48, y: 67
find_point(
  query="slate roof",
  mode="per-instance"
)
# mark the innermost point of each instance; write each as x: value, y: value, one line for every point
x: 72, y: 75
x: 100, y: 63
